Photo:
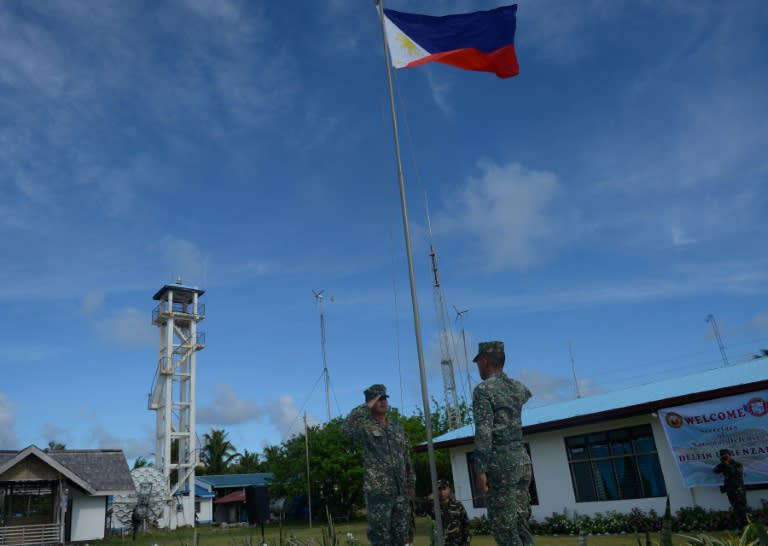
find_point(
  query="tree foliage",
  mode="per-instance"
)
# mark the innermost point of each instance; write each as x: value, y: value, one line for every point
x: 335, y: 471
x: 248, y: 463
x: 53, y: 445
x: 415, y: 427
x: 218, y: 453
x: 335, y: 464
x: 141, y: 462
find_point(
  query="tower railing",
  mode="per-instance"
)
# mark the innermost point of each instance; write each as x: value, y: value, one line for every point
x: 163, y: 308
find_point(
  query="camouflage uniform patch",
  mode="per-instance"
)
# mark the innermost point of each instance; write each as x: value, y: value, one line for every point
x: 497, y: 405
x: 733, y: 483
x: 455, y: 521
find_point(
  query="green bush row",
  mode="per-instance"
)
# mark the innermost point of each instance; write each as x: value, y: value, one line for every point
x: 634, y: 521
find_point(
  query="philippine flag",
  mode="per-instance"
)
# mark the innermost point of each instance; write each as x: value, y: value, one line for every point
x: 482, y: 40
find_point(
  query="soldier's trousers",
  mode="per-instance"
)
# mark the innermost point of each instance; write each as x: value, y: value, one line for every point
x: 389, y: 519
x: 738, y: 499
x: 509, y: 505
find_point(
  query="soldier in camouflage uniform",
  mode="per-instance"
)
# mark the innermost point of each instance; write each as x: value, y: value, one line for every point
x: 388, y: 475
x: 501, y: 461
x: 452, y: 514
x: 733, y: 484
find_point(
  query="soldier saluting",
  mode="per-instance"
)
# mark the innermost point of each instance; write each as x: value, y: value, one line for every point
x: 733, y: 484
x: 388, y: 476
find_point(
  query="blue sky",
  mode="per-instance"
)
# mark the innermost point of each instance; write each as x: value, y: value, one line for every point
x: 610, y: 198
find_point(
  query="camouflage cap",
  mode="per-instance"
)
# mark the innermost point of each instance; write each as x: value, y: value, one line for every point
x: 486, y: 347
x: 375, y: 390
x: 443, y: 483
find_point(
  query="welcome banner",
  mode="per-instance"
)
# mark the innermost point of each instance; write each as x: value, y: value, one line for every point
x: 697, y: 432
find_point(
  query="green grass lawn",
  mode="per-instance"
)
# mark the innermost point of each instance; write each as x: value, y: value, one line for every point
x: 250, y: 536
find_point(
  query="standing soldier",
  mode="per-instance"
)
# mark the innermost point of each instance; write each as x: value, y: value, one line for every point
x: 453, y: 515
x: 501, y: 461
x: 733, y: 484
x: 388, y: 475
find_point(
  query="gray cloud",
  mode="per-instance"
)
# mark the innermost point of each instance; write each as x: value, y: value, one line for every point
x: 127, y: 327
x: 228, y: 408
x: 91, y: 302
x: 7, y: 422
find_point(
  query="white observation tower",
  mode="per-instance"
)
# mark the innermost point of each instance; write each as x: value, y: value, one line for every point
x: 173, y: 397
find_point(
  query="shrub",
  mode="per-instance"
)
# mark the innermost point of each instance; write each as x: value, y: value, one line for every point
x: 685, y: 520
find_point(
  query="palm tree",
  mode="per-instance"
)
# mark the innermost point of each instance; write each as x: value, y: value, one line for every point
x: 218, y: 452
x: 249, y: 462
x: 141, y: 462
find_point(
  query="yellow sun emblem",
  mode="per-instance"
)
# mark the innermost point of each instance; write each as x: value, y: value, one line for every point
x: 407, y: 44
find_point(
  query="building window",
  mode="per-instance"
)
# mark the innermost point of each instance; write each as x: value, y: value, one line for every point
x: 615, y: 464
x: 478, y: 500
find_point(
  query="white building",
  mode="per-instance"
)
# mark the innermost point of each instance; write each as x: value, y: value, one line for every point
x: 60, y: 496
x: 611, y: 451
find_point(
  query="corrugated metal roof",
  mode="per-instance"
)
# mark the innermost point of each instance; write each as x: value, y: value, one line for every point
x: 221, y: 481
x: 752, y: 372
x: 200, y: 491
x: 234, y: 496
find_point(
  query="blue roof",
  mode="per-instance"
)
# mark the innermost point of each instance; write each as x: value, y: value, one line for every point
x: 220, y: 481
x: 719, y: 379
x: 200, y: 491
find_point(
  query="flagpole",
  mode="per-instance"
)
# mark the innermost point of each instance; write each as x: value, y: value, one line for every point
x: 411, y: 277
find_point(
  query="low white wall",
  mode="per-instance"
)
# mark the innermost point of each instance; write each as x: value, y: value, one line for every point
x: 88, y: 517
x: 205, y: 516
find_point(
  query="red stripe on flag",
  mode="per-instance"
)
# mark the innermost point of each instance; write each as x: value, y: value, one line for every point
x: 502, y: 62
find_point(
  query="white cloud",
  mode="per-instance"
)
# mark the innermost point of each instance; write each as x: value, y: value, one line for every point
x: 679, y: 238
x: 54, y: 433
x: 184, y: 259
x: 259, y: 267
x: 228, y: 408
x: 441, y: 90
x: 557, y: 31
x: 761, y: 320
x: 140, y: 447
x: 7, y: 422
x: 506, y: 213
x: 127, y: 327
x: 33, y: 189
x: 695, y: 278
x: 91, y: 302
x: 547, y: 388
x: 104, y: 438
x: 25, y: 353
x: 285, y: 416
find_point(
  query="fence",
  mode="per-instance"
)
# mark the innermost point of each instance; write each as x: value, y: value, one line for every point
x: 30, y: 534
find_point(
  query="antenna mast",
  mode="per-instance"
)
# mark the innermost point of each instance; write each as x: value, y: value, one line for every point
x: 326, y: 377
x: 573, y: 370
x: 716, y: 331
x: 446, y: 360
x: 460, y: 317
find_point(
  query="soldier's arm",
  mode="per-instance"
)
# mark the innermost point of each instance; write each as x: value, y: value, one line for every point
x: 353, y: 425
x: 464, y: 525
x: 483, y: 414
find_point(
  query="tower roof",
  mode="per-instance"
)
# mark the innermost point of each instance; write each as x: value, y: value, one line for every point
x: 181, y: 292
